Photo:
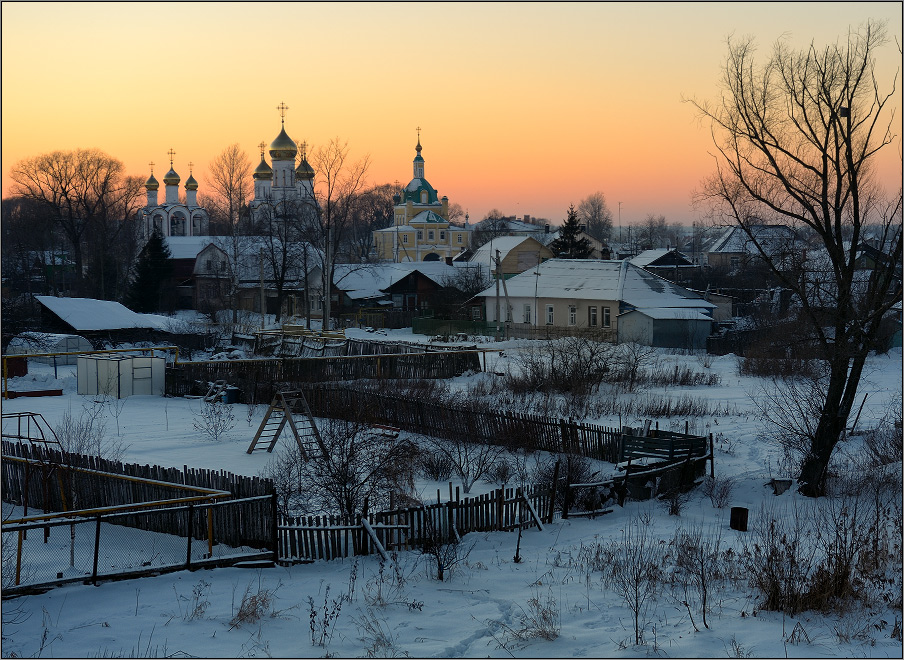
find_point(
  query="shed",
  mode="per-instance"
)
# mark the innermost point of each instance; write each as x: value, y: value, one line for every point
x: 665, y: 327
x: 120, y: 376
x: 29, y: 343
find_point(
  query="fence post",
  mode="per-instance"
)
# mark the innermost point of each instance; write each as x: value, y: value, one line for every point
x: 274, y: 527
x: 712, y: 457
x: 552, y: 492
x: 96, y: 551
x: 19, y: 557
x: 191, y: 522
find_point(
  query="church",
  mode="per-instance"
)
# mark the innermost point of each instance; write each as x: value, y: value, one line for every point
x: 421, y: 231
x: 282, y: 187
x: 173, y: 217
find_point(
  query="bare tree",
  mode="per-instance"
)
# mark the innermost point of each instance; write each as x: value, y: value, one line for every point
x: 471, y: 461
x: 595, y: 214
x: 796, y: 139
x: 653, y: 232
x: 89, y: 197
x: 371, y: 210
x: 229, y: 178
x: 337, y: 183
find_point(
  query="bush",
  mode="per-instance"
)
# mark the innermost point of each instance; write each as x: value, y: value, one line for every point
x: 435, y: 465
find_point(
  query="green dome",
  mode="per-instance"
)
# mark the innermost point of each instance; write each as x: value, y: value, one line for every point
x: 283, y: 147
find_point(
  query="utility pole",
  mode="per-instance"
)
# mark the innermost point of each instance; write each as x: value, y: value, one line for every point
x: 497, y: 294
x: 263, y: 297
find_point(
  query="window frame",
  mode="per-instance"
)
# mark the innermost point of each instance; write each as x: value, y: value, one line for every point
x: 592, y: 317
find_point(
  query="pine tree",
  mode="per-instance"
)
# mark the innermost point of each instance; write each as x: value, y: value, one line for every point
x: 568, y: 245
x: 152, y: 271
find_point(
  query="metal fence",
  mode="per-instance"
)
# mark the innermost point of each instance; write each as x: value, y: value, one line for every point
x: 86, y: 548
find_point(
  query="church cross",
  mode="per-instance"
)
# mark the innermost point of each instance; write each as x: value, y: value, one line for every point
x: 171, y: 154
x: 152, y: 167
x: 262, y: 145
x: 304, y: 149
x: 189, y: 167
x: 282, y: 107
x: 418, y: 133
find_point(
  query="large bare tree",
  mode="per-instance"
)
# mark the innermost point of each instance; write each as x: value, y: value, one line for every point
x: 90, y: 198
x: 797, y: 136
x: 593, y: 211
x: 337, y: 183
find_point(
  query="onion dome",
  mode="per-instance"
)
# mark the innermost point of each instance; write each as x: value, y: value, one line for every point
x: 304, y: 171
x: 190, y: 183
x: 151, y: 183
x: 171, y: 178
x: 418, y: 149
x: 263, y: 170
x: 283, y: 147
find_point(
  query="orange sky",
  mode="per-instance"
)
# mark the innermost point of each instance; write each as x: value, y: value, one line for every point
x: 523, y: 107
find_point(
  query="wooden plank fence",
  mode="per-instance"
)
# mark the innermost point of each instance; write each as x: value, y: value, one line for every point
x: 260, y: 379
x: 59, y: 481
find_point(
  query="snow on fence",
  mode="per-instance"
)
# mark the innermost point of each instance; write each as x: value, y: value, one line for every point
x: 259, y: 379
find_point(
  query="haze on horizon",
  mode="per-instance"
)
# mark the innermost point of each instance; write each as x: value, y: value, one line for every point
x: 524, y: 107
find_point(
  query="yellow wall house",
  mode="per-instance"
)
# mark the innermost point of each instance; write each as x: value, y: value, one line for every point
x: 421, y: 231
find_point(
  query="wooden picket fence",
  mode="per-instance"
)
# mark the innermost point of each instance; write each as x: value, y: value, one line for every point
x: 308, y: 538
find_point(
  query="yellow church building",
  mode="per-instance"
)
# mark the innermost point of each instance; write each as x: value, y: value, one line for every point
x: 421, y: 231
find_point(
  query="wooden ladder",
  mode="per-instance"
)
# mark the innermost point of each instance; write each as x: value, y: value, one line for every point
x: 215, y: 391
x: 279, y: 415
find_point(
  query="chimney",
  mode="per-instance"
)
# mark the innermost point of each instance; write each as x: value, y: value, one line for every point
x: 546, y: 230
x: 448, y: 261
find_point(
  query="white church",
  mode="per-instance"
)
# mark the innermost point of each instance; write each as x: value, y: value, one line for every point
x: 173, y: 217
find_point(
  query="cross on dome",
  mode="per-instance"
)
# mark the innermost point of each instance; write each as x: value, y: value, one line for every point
x: 190, y: 164
x: 151, y: 164
x: 171, y: 154
x: 262, y: 145
x: 282, y: 107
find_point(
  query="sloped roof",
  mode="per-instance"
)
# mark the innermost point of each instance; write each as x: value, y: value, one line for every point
x: 650, y: 257
x: 735, y: 240
x: 91, y: 314
x: 427, y: 216
x: 187, y: 247
x: 597, y: 279
x: 486, y: 253
x: 364, y: 281
x: 670, y: 314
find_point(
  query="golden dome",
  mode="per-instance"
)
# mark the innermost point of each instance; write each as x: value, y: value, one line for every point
x: 304, y: 171
x: 171, y: 178
x: 191, y: 184
x: 151, y: 183
x: 263, y: 170
x: 283, y: 147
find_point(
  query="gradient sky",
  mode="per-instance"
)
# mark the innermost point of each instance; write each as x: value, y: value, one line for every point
x: 523, y: 107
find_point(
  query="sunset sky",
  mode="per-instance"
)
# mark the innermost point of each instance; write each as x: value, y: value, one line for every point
x: 522, y: 107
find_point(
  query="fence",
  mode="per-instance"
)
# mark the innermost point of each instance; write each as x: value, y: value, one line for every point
x: 433, y: 326
x: 522, y: 430
x: 122, y: 544
x: 259, y: 380
x: 309, y: 538
x: 292, y: 343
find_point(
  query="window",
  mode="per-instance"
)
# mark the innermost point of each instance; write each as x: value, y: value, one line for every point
x: 591, y: 317
x: 476, y: 313
x: 208, y: 265
x: 572, y: 315
x: 550, y: 314
x: 735, y: 263
x: 606, y: 319
x: 527, y: 313
x: 423, y: 197
x: 458, y: 240
x: 420, y: 234
x: 405, y: 238
x: 430, y: 235
x: 442, y: 236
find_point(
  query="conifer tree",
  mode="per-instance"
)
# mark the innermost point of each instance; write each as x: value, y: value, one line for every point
x: 152, y: 271
x: 569, y: 244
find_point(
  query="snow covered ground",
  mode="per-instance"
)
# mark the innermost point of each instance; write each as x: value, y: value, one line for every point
x: 491, y: 606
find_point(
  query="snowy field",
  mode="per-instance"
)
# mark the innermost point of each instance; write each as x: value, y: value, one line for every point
x: 555, y: 602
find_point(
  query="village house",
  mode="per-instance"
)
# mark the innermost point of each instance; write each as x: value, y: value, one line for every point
x: 516, y: 255
x: 617, y: 298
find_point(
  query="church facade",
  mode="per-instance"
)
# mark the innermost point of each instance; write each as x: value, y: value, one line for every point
x: 421, y: 229
x: 173, y: 217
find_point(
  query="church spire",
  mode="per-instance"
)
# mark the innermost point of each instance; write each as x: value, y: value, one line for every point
x: 418, y: 160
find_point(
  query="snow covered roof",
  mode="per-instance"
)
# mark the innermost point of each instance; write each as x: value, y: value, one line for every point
x: 187, y: 247
x: 91, y: 314
x: 649, y: 257
x: 427, y: 216
x: 597, y: 279
x: 671, y: 313
x: 735, y: 240
x: 505, y: 244
x: 363, y: 281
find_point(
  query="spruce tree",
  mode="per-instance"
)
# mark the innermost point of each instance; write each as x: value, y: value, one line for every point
x: 152, y: 271
x: 568, y: 245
